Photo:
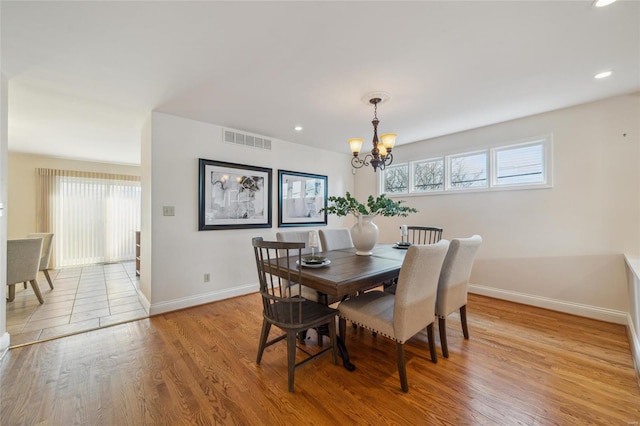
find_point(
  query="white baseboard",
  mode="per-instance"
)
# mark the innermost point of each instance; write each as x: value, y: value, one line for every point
x: 143, y: 300
x: 588, y: 311
x: 5, y: 341
x: 201, y: 299
x: 634, y: 342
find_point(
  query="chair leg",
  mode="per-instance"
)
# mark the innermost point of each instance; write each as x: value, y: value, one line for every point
x: 432, y: 343
x: 266, y: 326
x: 36, y: 290
x: 291, y: 356
x: 402, y: 370
x: 25, y: 285
x: 342, y: 327
x: 463, y: 320
x: 12, y: 293
x: 442, y: 327
x: 46, y: 274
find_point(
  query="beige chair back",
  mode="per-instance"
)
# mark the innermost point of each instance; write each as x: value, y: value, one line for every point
x: 23, y: 259
x: 456, y: 270
x: 47, y: 244
x: 335, y: 238
x: 415, y: 299
x: 298, y: 237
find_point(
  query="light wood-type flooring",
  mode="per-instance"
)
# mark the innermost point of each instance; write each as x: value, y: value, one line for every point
x: 521, y: 366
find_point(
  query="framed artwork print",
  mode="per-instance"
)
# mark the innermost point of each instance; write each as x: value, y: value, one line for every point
x: 233, y: 196
x: 300, y: 198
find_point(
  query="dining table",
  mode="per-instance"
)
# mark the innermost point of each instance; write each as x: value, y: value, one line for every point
x: 345, y: 274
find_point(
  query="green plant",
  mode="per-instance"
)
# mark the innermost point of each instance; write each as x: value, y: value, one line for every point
x: 380, y: 206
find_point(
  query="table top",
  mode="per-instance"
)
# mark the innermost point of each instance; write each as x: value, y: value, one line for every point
x: 349, y: 272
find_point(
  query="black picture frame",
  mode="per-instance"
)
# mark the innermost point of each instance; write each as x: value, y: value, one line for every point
x: 233, y: 196
x: 300, y: 198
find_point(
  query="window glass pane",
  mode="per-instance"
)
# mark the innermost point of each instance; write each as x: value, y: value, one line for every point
x: 395, y: 179
x: 468, y: 171
x: 428, y: 175
x: 520, y: 165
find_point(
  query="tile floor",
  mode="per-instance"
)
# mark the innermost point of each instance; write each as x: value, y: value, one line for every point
x: 83, y: 298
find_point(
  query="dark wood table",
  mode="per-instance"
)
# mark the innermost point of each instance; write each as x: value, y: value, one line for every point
x: 349, y: 273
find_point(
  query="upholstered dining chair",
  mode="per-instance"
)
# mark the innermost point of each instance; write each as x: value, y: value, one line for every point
x: 47, y: 244
x: 416, y: 235
x: 23, y: 261
x: 335, y: 238
x: 283, y: 305
x: 302, y: 237
x: 453, y: 284
x: 412, y: 309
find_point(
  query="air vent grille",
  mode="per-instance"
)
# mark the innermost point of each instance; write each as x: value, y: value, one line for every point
x: 239, y: 138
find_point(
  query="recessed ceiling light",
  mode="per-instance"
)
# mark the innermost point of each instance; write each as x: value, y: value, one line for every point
x: 298, y: 128
x: 603, y: 74
x: 602, y: 3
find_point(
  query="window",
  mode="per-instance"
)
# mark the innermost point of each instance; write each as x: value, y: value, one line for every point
x: 519, y: 164
x: 94, y: 216
x: 395, y: 179
x: 525, y: 165
x: 468, y: 171
x: 428, y: 175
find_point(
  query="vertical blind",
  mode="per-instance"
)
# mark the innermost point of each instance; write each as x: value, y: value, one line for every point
x: 94, y: 216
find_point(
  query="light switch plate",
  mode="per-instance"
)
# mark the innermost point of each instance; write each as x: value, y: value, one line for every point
x: 168, y: 211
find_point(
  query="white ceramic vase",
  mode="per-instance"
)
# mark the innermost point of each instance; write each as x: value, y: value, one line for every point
x: 364, y: 235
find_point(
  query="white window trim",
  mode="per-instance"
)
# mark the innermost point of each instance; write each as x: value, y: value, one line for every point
x: 426, y: 160
x: 492, y: 185
x: 547, y: 168
x: 392, y: 194
x: 447, y: 176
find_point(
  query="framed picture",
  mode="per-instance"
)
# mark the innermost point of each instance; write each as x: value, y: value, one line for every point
x: 233, y: 196
x: 300, y: 198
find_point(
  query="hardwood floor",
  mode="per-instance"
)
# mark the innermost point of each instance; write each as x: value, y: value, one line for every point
x: 522, y: 365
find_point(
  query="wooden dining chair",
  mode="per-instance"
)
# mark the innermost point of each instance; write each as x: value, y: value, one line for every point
x: 23, y: 261
x: 283, y: 305
x: 453, y: 284
x: 412, y: 309
x: 424, y: 234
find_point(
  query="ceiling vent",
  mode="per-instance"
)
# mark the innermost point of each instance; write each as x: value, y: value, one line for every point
x: 246, y: 139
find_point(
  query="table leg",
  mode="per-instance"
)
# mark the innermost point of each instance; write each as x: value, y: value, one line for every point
x: 342, y: 348
x: 344, y: 354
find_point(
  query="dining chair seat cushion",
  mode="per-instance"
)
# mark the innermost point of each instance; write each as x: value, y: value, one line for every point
x: 372, y: 310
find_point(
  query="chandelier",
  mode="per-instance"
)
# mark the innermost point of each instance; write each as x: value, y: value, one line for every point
x: 380, y: 156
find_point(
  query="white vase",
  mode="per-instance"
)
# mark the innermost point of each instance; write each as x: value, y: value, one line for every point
x: 364, y: 235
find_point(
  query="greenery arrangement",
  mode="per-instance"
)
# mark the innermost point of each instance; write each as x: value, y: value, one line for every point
x: 380, y: 206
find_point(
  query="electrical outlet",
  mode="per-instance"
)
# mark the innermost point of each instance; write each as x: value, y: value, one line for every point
x: 168, y: 211
x: 207, y: 277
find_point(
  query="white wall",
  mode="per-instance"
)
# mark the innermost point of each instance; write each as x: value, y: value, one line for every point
x: 4, y: 336
x: 560, y: 248
x: 181, y: 254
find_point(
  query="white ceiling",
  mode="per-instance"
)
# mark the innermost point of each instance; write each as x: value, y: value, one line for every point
x: 83, y: 76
